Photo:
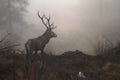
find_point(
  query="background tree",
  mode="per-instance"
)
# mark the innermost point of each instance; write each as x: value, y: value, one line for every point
x: 12, y: 17
x: 11, y: 14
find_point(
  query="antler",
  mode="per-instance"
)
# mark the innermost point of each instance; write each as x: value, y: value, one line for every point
x: 42, y: 19
x: 47, y: 24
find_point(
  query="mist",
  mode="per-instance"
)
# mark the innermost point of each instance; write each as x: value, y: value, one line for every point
x: 78, y: 21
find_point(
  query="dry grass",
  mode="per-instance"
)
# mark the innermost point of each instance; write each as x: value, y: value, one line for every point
x: 62, y: 67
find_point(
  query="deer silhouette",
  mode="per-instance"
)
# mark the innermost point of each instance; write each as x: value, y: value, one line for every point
x: 39, y: 43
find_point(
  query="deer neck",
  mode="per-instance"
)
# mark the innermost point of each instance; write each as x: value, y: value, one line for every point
x: 45, y: 38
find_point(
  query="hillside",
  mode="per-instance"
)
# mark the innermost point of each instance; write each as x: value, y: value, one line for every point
x: 62, y: 67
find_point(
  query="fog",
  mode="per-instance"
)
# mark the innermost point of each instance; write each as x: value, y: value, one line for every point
x: 78, y: 21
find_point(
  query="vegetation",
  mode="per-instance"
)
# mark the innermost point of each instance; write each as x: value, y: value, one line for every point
x: 63, y: 67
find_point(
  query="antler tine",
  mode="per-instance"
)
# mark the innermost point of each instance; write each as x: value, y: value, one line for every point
x: 53, y: 27
x: 48, y: 20
x: 42, y: 19
x: 51, y: 24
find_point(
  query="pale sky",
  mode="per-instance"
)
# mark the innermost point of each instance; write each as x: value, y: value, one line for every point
x: 77, y: 21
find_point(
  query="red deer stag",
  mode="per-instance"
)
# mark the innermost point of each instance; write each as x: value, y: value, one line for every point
x: 39, y: 43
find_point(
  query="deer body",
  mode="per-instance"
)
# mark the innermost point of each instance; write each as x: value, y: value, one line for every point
x: 39, y: 43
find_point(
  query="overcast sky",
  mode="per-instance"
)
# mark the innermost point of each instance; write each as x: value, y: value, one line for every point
x: 77, y: 21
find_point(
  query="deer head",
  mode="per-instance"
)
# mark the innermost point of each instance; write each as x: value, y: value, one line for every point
x: 50, y: 26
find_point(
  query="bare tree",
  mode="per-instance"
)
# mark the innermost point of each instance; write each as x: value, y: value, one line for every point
x: 6, y: 45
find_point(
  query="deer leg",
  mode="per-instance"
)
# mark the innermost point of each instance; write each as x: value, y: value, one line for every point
x: 34, y: 55
x: 42, y: 55
x: 42, y: 52
x: 35, y: 52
